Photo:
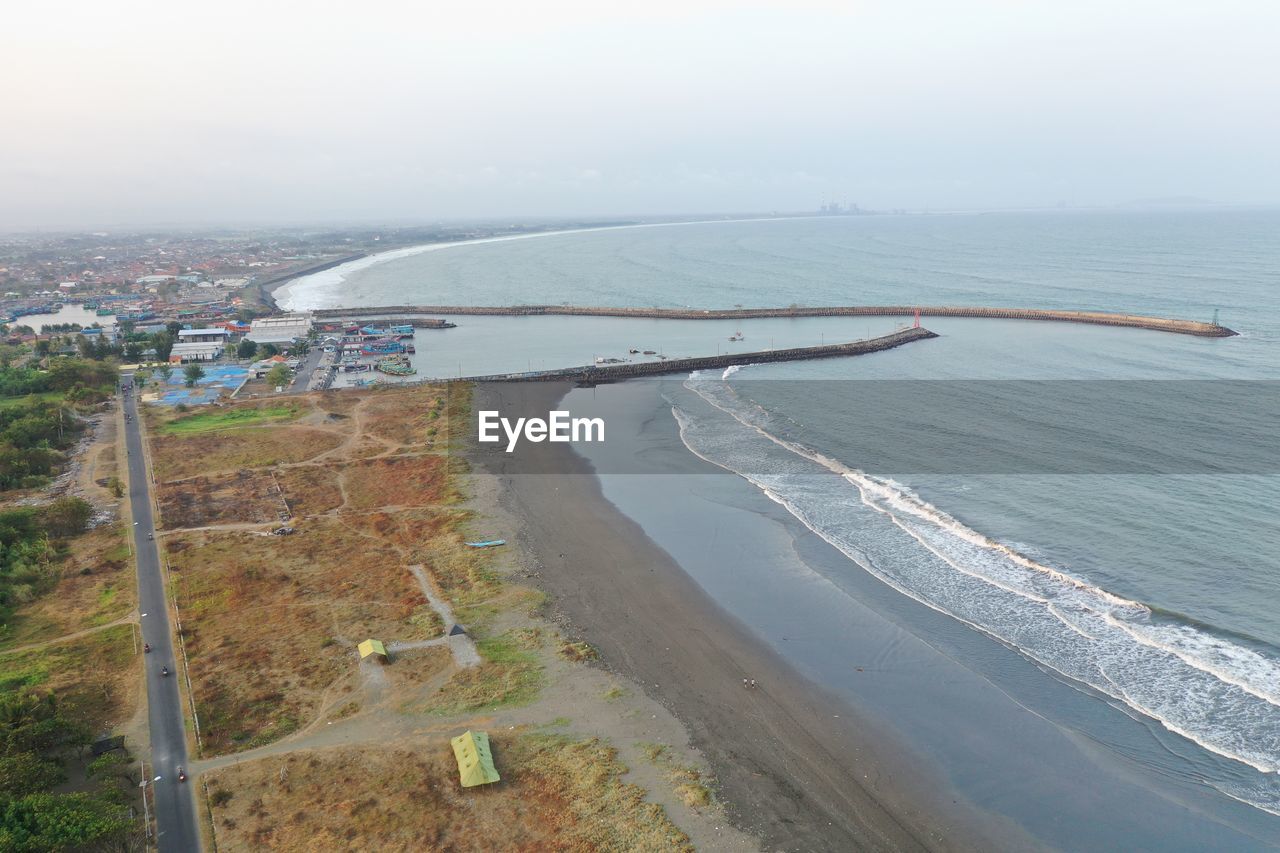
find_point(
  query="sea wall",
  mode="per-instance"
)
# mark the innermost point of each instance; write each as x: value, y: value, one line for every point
x: 597, y: 373
x: 1097, y: 318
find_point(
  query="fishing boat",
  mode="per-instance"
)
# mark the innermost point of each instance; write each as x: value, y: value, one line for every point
x: 633, y: 351
x: 402, y: 331
x: 372, y: 330
x: 381, y: 346
x: 395, y: 365
x: 736, y: 336
x: 105, y: 311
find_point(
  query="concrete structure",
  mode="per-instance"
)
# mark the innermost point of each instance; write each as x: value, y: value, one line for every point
x: 593, y: 374
x: 196, y: 351
x: 191, y: 336
x: 284, y: 329
x: 1097, y: 318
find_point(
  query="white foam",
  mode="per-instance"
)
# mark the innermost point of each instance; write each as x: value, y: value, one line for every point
x: 1216, y: 693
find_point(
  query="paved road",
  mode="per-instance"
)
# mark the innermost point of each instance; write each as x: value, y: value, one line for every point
x: 174, y: 801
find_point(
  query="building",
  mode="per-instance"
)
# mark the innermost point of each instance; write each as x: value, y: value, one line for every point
x: 196, y: 351
x: 284, y: 329
x: 373, y: 649
x: 191, y: 336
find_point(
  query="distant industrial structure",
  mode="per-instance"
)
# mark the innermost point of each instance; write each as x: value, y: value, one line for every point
x: 834, y: 208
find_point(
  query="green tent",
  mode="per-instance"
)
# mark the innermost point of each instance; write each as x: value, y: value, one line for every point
x: 475, y: 761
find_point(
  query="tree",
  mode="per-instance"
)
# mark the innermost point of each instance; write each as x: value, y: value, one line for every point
x: 67, y: 516
x: 246, y: 349
x: 164, y: 371
x: 193, y: 373
x: 279, y: 376
x: 268, y: 350
x: 133, y: 351
x: 163, y: 344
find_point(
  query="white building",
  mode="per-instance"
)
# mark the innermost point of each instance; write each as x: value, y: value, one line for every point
x: 196, y: 351
x: 284, y: 329
x: 191, y: 336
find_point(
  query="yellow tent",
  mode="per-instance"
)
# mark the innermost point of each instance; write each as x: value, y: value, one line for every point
x: 372, y: 647
x: 475, y: 762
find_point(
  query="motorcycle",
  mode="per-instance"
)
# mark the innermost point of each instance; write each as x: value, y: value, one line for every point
x: 164, y: 672
x: 146, y: 647
x: 182, y: 776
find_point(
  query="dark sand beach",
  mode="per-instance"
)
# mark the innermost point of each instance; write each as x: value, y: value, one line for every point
x: 794, y: 763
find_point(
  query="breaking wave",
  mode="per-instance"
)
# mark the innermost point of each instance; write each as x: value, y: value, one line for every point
x: 1208, y: 688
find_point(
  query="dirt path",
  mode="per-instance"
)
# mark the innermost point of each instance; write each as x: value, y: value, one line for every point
x: 131, y: 618
x: 463, y: 647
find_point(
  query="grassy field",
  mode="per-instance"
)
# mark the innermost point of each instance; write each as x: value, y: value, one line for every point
x: 241, y: 416
x: 556, y: 793
x: 94, y: 676
x: 96, y: 586
x: 45, y: 397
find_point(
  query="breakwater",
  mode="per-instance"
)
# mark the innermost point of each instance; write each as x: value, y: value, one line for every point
x: 597, y: 373
x: 1097, y: 318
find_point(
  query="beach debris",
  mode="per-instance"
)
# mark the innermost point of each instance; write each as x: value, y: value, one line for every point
x: 492, y: 543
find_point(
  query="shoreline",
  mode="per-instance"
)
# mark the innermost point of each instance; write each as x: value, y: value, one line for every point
x: 797, y: 766
x: 418, y: 248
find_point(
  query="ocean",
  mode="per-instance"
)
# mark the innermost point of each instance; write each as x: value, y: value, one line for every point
x: 1151, y: 599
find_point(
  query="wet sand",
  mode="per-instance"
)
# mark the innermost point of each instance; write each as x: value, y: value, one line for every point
x: 795, y: 764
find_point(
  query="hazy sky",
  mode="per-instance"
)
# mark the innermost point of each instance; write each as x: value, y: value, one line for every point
x: 170, y: 112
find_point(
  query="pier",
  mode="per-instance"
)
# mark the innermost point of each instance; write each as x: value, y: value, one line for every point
x: 1096, y: 318
x: 597, y: 373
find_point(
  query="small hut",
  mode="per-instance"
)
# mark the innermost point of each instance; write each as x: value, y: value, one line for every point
x: 373, y: 649
x: 475, y: 761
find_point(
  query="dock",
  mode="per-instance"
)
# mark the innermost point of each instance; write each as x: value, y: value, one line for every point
x: 594, y: 374
x: 415, y: 313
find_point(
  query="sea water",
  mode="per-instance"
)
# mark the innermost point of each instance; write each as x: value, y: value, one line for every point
x: 1157, y: 594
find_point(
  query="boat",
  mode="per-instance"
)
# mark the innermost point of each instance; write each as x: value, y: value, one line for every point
x: 402, y: 331
x: 105, y: 311
x: 381, y: 346
x: 736, y: 336
x: 650, y: 352
x: 633, y: 351
x: 395, y: 365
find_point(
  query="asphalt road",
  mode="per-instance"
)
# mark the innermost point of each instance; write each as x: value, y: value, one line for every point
x: 174, y: 801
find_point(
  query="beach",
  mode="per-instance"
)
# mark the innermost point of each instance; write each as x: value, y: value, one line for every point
x: 794, y: 763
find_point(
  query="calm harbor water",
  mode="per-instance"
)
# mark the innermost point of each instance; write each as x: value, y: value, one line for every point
x: 1142, y: 612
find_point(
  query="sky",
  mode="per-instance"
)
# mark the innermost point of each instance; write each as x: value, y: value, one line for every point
x: 243, y: 113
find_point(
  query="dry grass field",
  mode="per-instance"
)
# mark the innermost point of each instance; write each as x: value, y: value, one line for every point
x: 175, y: 457
x: 242, y: 497
x: 303, y: 746
x: 556, y: 794
x: 272, y: 621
